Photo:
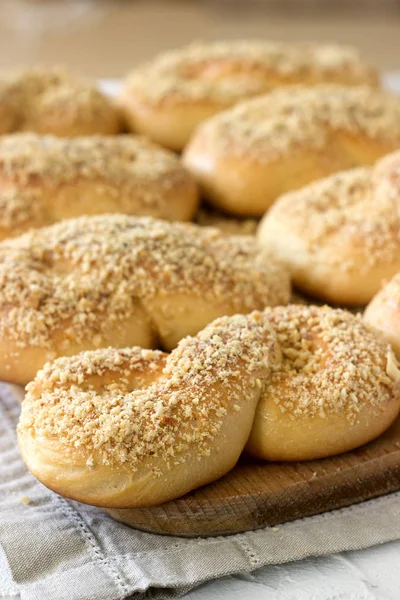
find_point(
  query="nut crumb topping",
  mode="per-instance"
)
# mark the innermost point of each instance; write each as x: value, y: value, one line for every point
x: 227, y: 72
x: 53, y: 100
x: 83, y: 277
x: 123, y: 406
x: 350, y: 220
x: 129, y: 173
x: 331, y: 363
x: 285, y: 120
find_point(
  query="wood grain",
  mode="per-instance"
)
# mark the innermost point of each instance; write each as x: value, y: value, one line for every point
x: 257, y: 494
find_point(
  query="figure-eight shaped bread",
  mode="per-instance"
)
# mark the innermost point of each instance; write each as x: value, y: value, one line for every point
x: 130, y: 428
x: 114, y: 280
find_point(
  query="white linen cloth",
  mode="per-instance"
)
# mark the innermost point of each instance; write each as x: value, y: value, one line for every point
x: 56, y: 549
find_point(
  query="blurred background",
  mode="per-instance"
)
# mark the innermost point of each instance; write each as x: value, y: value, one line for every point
x: 107, y: 37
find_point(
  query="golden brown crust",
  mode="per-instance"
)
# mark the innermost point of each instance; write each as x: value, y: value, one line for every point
x: 54, y: 101
x: 340, y: 236
x: 335, y: 389
x: 168, y: 97
x: 248, y: 156
x: 45, y: 179
x: 132, y: 427
x: 117, y: 280
x: 135, y: 416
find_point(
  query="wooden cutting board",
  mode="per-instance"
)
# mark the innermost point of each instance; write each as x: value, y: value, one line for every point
x: 256, y: 494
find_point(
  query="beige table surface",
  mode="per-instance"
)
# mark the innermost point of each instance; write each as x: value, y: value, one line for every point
x: 105, y: 38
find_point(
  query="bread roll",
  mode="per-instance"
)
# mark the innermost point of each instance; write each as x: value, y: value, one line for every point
x: 119, y: 281
x: 130, y: 428
x: 383, y: 313
x: 54, y: 101
x: 340, y: 236
x: 335, y: 389
x: 167, y: 98
x: 133, y: 428
x: 246, y: 157
x: 44, y: 179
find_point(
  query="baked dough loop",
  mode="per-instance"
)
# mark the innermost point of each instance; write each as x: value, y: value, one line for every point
x: 245, y: 158
x: 119, y: 281
x: 340, y: 236
x: 383, y: 313
x: 132, y: 427
x: 54, y: 101
x: 44, y: 179
x: 167, y: 98
x: 335, y: 389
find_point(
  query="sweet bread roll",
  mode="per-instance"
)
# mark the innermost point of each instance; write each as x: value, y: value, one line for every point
x: 119, y: 281
x: 335, y: 389
x: 167, y: 98
x: 208, y: 217
x: 44, y: 179
x: 383, y: 313
x: 340, y: 236
x: 248, y: 156
x: 54, y: 101
x: 130, y: 428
